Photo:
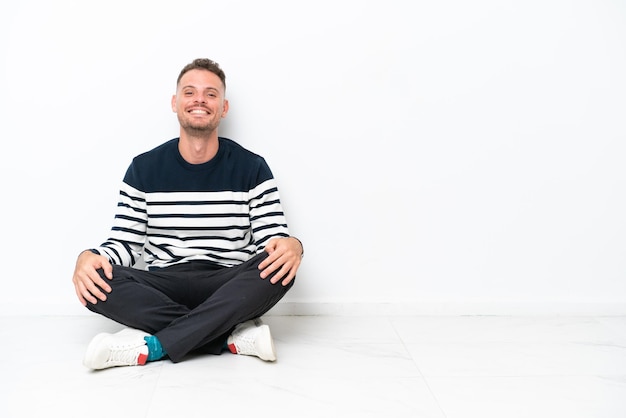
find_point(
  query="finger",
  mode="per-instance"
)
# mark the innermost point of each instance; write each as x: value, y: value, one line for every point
x: 102, y: 284
x: 92, y: 293
x: 285, y: 278
x: 95, y: 286
x: 96, y: 291
x: 288, y: 279
x: 84, y: 295
x: 269, y: 265
x: 272, y: 256
x: 277, y: 277
x: 92, y: 275
x: 108, y: 270
x: 283, y: 272
x: 263, y: 264
x: 292, y: 273
x: 80, y: 295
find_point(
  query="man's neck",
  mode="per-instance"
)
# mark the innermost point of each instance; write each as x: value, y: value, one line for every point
x: 197, y: 149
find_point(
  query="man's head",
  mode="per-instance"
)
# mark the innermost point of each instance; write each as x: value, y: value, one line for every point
x: 203, y: 64
x: 200, y: 101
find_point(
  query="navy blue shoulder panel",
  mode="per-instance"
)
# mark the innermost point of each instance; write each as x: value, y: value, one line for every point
x: 163, y: 169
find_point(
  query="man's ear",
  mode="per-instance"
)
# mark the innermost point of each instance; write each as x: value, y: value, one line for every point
x: 226, y: 107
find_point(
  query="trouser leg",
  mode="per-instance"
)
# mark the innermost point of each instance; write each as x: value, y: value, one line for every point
x: 243, y: 295
x: 141, y: 299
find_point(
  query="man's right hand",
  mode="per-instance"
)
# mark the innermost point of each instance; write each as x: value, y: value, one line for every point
x: 89, y: 285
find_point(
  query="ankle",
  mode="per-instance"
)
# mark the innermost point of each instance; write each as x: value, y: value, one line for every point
x: 155, y: 349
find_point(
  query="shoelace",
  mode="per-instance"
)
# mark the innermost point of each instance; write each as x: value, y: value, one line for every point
x: 244, y: 341
x: 124, y: 355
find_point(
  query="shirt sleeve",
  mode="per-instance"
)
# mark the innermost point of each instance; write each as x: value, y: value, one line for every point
x: 128, y: 233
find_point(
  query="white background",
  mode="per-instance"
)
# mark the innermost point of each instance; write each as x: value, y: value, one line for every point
x: 434, y: 156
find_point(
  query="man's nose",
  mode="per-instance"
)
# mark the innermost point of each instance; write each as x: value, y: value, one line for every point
x: 199, y: 98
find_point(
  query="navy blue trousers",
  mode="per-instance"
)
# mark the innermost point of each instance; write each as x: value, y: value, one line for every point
x: 191, y: 307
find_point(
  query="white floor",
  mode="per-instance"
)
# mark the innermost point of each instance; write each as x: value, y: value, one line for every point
x: 453, y: 367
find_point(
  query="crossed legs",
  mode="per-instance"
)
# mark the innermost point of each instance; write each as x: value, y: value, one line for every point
x: 192, y: 307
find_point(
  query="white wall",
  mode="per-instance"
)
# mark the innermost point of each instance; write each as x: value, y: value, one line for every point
x: 434, y: 156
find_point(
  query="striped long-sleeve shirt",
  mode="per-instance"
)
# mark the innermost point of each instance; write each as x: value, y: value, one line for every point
x: 170, y: 211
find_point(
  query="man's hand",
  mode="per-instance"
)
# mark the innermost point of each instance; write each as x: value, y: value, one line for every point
x: 285, y: 256
x: 89, y: 285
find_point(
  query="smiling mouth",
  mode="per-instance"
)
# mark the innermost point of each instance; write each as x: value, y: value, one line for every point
x: 198, y: 112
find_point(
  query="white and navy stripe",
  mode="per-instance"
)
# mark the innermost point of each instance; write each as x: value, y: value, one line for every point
x: 223, y: 211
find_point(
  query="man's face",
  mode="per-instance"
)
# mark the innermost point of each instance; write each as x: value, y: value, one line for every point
x: 199, y: 101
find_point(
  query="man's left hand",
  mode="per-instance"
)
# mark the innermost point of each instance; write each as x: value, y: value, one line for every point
x: 285, y: 256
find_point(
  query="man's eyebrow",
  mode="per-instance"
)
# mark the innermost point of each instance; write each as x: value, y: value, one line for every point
x: 189, y: 86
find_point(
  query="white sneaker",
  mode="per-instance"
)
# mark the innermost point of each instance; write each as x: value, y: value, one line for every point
x: 124, y: 348
x: 252, y: 338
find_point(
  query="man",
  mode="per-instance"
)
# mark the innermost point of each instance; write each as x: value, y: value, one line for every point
x: 205, y: 216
